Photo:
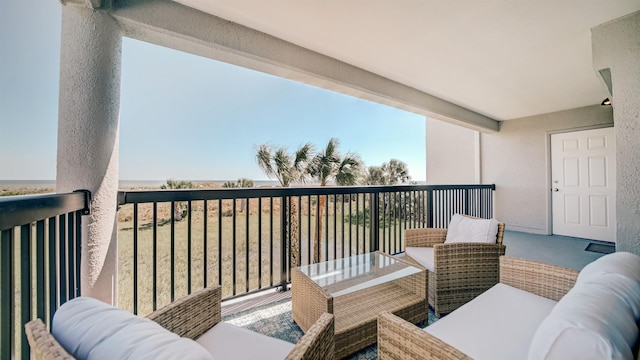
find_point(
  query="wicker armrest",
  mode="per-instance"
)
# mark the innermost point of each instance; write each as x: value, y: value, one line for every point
x: 308, y: 300
x: 399, y: 339
x: 43, y: 345
x: 192, y: 315
x: 424, y: 237
x: 546, y: 280
x: 317, y: 343
x: 450, y: 256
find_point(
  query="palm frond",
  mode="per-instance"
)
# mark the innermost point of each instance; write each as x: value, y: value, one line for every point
x: 375, y: 176
x: 396, y: 171
x: 302, y: 157
x: 284, y: 166
x: 265, y: 159
x: 349, y: 170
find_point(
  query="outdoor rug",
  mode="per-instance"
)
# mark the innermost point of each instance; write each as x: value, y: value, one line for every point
x: 275, y: 320
x: 601, y: 248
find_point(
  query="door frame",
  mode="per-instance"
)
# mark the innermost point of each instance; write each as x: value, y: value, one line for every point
x: 549, y: 178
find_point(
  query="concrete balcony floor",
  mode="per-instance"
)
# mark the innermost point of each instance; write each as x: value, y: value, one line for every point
x: 558, y: 250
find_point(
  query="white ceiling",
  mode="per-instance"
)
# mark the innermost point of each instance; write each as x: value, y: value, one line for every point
x: 504, y: 59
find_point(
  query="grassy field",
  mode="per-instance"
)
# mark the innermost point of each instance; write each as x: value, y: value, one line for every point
x: 15, y: 191
x: 217, y: 233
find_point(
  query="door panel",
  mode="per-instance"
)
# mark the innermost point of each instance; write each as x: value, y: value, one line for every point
x: 599, y: 210
x: 572, y: 209
x: 583, y: 184
x: 597, y: 171
x: 571, y: 172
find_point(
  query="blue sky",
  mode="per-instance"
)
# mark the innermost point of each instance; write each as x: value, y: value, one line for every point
x: 182, y: 116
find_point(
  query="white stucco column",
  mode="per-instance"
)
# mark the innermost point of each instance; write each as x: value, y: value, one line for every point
x: 616, y: 46
x: 88, y: 137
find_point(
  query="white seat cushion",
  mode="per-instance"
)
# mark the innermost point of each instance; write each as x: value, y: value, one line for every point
x: 423, y: 255
x: 498, y: 324
x: 227, y: 341
x: 466, y: 229
x: 90, y: 329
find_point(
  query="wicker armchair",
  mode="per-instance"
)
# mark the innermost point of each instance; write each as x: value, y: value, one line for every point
x: 461, y: 271
x: 191, y: 317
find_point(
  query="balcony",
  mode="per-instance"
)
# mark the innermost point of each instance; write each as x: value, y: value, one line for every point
x: 170, y: 242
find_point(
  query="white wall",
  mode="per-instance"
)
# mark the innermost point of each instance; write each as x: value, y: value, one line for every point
x: 517, y: 160
x: 451, y: 154
x: 616, y: 46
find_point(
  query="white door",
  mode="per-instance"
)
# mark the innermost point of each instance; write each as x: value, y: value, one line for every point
x: 583, y: 179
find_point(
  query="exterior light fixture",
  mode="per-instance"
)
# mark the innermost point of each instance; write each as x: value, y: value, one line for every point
x: 606, y: 102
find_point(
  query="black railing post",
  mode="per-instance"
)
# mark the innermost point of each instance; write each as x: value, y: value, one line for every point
x: 429, y: 212
x: 374, y: 212
x: 25, y: 285
x: 8, y: 300
x: 284, y: 259
x: 78, y: 251
x: 40, y: 272
x: 467, y: 202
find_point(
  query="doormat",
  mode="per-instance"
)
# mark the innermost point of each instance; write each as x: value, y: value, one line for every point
x: 601, y: 248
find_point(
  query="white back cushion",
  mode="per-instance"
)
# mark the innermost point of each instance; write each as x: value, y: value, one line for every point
x: 620, y: 272
x: 90, y: 329
x: 622, y: 263
x: 597, y: 318
x: 466, y: 229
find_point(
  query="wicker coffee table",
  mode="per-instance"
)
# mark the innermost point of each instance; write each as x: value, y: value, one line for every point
x: 355, y: 290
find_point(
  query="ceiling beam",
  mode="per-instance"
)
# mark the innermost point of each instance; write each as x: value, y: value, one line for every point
x: 176, y: 26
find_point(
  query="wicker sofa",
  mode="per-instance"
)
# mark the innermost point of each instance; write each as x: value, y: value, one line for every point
x: 87, y: 328
x: 460, y: 266
x: 537, y: 311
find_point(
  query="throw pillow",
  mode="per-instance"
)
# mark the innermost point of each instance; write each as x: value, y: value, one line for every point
x: 466, y: 229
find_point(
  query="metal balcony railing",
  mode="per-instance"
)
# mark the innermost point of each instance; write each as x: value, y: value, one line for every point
x: 40, y: 238
x: 172, y: 242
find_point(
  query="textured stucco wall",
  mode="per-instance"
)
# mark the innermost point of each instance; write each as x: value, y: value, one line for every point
x: 517, y: 159
x: 88, y: 137
x: 616, y: 46
x: 451, y: 154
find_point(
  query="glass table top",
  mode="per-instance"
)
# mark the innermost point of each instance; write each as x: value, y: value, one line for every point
x: 343, y: 276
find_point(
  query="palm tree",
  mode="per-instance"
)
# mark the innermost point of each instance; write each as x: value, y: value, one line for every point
x: 375, y: 176
x: 327, y: 166
x: 287, y: 168
x: 241, y: 183
x: 180, y: 207
x: 390, y: 173
x: 395, y: 172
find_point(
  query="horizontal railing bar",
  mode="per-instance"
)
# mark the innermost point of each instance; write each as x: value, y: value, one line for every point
x: 143, y: 196
x: 276, y: 287
x: 21, y: 210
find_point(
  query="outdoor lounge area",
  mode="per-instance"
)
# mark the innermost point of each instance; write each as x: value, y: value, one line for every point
x: 250, y: 319
x: 261, y: 312
x: 530, y: 114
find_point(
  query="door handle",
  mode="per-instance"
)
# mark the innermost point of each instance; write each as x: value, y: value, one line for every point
x: 555, y: 190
